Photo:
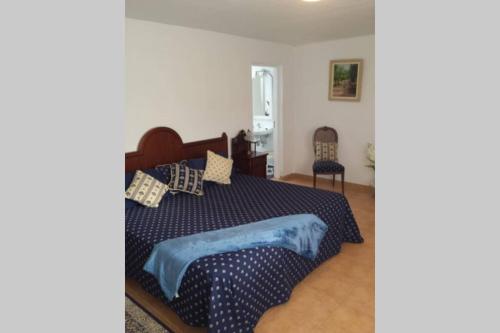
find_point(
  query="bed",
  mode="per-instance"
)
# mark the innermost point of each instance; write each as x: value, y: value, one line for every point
x: 227, y: 292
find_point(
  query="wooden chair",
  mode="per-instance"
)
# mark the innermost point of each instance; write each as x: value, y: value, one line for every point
x: 329, y: 167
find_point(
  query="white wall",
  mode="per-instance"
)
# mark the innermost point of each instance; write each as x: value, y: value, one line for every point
x: 199, y: 83
x: 354, y: 121
x: 196, y: 82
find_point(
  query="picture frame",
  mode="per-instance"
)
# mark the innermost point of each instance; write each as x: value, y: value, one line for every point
x: 345, y: 80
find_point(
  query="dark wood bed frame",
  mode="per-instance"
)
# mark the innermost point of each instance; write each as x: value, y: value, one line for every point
x: 163, y: 145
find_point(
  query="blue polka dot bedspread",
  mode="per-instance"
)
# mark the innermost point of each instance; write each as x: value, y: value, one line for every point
x: 229, y: 292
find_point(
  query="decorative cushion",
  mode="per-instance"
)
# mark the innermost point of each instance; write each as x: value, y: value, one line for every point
x: 146, y: 190
x: 201, y: 163
x: 156, y: 174
x: 325, y: 151
x: 128, y: 180
x: 197, y: 163
x: 218, y: 168
x: 164, y: 171
x: 327, y: 167
x: 185, y: 179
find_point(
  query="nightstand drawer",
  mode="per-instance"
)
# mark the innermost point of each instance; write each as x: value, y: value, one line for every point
x: 254, y: 164
x: 259, y: 166
x: 260, y: 171
x: 259, y: 161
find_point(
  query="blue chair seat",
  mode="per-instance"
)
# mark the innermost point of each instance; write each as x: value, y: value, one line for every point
x: 327, y: 167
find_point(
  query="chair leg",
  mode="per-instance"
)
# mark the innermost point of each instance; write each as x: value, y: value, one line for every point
x: 333, y: 181
x: 314, y: 180
x: 342, y: 182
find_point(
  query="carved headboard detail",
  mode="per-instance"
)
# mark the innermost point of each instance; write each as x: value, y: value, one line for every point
x: 162, y: 145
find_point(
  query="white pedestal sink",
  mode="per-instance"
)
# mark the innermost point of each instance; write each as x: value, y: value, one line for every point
x: 263, y: 131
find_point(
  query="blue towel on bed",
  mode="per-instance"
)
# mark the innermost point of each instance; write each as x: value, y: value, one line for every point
x: 170, y: 259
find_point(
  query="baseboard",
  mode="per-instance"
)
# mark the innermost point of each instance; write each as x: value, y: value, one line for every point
x: 292, y: 176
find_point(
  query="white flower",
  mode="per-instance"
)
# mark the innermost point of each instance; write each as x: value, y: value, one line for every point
x: 371, y: 155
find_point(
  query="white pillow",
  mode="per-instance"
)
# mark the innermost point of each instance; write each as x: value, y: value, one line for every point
x: 218, y: 168
x: 146, y: 190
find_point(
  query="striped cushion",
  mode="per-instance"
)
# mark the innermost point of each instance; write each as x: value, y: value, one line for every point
x: 325, y: 151
x: 218, y: 168
x: 185, y: 179
x: 146, y: 190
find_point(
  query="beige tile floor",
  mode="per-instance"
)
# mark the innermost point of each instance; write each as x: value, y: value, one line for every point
x: 337, y: 297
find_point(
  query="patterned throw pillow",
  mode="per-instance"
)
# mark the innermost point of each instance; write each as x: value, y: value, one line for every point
x: 185, y: 179
x: 146, y: 190
x: 326, y: 151
x: 164, y: 170
x: 218, y: 168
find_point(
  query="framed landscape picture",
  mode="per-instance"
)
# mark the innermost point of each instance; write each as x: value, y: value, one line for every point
x: 345, y: 80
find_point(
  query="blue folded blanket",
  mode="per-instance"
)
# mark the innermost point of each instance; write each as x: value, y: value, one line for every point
x: 170, y: 259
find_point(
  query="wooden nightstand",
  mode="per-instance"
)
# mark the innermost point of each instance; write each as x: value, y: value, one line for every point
x: 245, y: 162
x: 254, y: 165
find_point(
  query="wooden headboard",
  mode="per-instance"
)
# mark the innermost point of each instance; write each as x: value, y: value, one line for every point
x: 162, y: 145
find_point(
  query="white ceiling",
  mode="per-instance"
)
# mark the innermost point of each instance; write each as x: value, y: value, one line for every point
x: 285, y: 21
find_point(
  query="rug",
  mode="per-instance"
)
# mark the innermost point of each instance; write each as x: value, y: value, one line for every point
x: 138, y: 321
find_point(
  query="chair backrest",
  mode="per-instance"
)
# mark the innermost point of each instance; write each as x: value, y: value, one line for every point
x: 325, y: 134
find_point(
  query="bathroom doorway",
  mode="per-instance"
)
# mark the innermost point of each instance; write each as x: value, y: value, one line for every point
x: 265, y: 114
